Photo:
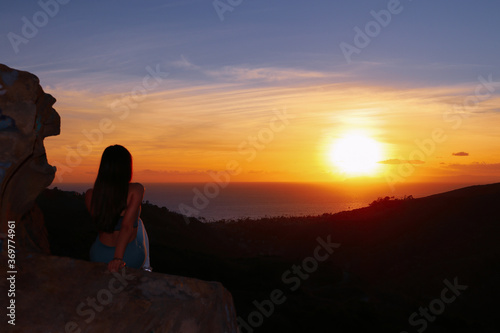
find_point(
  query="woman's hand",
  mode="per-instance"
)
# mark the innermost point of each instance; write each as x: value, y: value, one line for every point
x: 115, y: 264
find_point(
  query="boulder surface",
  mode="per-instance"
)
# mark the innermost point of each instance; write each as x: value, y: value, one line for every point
x: 53, y: 294
x: 26, y: 118
x: 58, y: 294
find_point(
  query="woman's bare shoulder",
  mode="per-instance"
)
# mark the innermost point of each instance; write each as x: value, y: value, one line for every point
x: 88, y: 197
x: 136, y: 188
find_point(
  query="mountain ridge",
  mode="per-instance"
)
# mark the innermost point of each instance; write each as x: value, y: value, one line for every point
x: 393, y: 257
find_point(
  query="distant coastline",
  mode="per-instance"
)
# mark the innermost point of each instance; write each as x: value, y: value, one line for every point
x: 257, y: 200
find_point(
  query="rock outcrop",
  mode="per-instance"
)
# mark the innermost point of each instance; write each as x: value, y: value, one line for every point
x: 26, y: 118
x: 57, y: 294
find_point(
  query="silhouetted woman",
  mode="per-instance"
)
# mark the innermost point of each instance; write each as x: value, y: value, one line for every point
x: 115, y: 205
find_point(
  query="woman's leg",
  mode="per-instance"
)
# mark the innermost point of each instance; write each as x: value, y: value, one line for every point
x: 145, y: 240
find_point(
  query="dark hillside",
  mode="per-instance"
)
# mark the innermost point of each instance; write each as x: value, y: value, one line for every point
x: 393, y: 259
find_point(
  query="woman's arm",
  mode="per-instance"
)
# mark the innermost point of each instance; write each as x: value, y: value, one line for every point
x: 127, y: 228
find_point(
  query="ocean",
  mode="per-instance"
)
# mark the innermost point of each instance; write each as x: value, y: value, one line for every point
x: 211, y: 202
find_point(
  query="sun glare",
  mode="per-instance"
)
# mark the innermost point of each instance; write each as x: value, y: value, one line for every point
x: 356, y: 154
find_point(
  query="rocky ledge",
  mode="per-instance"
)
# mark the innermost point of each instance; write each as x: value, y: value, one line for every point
x: 58, y: 294
x: 45, y: 293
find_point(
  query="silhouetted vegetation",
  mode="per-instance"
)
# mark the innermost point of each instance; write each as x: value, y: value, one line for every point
x: 393, y: 258
x: 387, y: 201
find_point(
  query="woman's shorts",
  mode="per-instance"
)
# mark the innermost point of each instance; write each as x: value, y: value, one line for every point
x: 136, y: 252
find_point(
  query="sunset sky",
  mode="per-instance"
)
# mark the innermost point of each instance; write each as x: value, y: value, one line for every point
x: 266, y: 88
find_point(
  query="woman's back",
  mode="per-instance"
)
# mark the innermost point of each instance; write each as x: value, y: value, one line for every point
x: 134, y: 200
x: 112, y: 199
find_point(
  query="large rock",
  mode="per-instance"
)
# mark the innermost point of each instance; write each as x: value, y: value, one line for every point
x: 26, y: 118
x: 56, y: 294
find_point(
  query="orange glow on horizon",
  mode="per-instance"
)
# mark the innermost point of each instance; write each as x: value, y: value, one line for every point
x: 189, y: 134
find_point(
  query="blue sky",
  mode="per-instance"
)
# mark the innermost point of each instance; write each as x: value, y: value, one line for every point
x: 428, y: 42
x: 225, y: 77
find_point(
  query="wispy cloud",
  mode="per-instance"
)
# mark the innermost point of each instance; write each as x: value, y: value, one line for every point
x: 238, y: 73
x: 396, y: 161
x: 185, y: 64
x: 462, y: 153
x: 476, y: 167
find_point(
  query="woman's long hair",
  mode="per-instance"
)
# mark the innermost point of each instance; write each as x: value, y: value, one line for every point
x: 109, y: 197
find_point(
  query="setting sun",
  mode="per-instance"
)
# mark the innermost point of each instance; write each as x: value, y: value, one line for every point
x: 356, y: 154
